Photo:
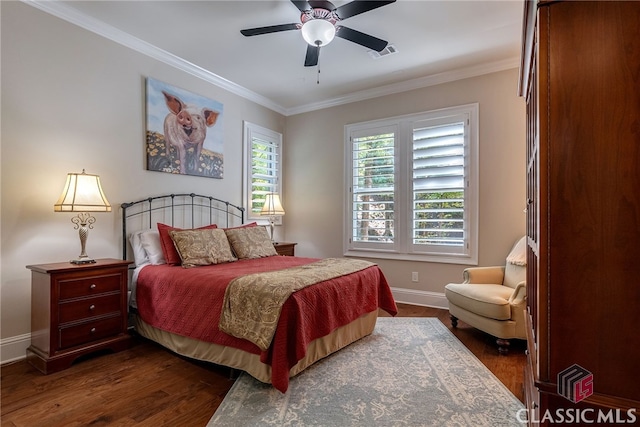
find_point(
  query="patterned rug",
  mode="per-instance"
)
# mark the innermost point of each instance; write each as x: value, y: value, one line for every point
x: 408, y: 372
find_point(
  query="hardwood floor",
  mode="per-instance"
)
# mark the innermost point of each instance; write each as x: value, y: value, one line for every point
x: 150, y: 386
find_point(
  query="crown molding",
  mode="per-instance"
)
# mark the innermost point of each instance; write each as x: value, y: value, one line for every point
x: 73, y: 16
x: 422, y: 82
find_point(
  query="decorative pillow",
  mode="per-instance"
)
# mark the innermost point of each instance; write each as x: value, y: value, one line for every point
x: 518, y: 255
x: 250, y: 242
x: 171, y: 255
x: 202, y: 247
x: 150, y: 240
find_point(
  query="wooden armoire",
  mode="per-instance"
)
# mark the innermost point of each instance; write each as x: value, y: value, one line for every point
x: 580, y: 76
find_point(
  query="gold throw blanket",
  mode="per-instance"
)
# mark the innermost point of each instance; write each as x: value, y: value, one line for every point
x: 252, y: 303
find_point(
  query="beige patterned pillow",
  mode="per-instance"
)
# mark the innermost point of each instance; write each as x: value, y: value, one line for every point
x: 202, y: 247
x: 250, y: 242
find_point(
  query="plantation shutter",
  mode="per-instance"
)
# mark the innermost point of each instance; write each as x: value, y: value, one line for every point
x: 265, y: 166
x: 439, y: 185
x: 413, y: 187
x: 373, y: 187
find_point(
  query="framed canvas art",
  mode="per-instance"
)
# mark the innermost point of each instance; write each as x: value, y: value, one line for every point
x: 184, y: 132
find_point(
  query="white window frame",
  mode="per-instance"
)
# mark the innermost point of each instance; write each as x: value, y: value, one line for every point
x: 402, y: 247
x: 253, y: 131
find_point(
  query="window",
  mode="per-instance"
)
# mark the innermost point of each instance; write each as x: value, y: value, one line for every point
x: 263, y: 167
x: 373, y: 176
x: 412, y: 191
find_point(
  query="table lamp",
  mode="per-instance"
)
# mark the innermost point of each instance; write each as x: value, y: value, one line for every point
x: 83, y: 194
x: 273, y: 208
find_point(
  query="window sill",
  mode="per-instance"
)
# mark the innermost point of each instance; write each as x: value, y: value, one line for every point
x: 442, y: 259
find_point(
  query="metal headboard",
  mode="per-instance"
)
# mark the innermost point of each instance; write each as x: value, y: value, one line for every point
x: 179, y: 210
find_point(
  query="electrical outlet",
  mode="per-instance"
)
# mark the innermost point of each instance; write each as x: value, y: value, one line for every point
x: 414, y: 276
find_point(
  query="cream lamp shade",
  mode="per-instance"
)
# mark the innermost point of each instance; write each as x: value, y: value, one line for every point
x: 272, y: 205
x: 82, y: 193
x: 273, y: 208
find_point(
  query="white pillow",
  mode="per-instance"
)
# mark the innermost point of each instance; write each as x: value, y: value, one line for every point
x: 150, y: 240
x: 139, y: 253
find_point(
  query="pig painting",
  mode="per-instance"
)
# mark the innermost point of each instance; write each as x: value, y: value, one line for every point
x: 183, y: 132
x: 186, y: 126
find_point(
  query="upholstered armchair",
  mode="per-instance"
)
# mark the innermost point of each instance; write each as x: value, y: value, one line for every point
x: 493, y: 299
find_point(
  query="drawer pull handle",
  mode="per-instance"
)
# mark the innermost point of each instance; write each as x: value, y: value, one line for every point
x: 92, y: 307
x: 93, y: 286
x: 93, y: 330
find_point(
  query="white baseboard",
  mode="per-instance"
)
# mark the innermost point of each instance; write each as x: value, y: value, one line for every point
x: 14, y: 348
x: 424, y: 298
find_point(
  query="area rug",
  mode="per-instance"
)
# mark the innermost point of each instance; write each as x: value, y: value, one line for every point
x: 408, y: 372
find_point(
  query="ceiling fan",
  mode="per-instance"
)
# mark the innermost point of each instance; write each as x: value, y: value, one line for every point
x: 319, y: 25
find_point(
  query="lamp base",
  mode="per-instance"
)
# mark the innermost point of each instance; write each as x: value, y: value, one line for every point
x: 83, y: 261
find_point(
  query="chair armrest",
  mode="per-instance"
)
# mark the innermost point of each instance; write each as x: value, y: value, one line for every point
x: 486, y: 275
x: 519, y: 294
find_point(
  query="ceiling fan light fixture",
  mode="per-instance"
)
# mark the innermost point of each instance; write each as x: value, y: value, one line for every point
x: 318, y: 32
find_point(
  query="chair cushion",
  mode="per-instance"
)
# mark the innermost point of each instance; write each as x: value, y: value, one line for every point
x: 483, y: 299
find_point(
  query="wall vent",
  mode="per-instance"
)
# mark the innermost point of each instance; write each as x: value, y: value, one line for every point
x: 384, y: 52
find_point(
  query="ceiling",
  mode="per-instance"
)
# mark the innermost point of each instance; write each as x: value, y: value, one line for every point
x: 436, y: 41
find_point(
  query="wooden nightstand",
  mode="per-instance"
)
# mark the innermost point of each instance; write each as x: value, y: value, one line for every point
x: 285, y: 248
x: 77, y: 310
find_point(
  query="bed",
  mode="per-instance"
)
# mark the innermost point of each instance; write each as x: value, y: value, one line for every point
x: 268, y: 315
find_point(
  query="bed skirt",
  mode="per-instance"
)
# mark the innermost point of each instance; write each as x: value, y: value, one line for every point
x: 250, y: 363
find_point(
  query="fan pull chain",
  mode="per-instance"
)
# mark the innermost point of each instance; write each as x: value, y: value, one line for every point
x: 318, y: 65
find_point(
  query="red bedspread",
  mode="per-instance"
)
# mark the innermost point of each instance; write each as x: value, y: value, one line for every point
x: 188, y: 302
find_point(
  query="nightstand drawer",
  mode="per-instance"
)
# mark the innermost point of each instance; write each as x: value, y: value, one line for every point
x: 89, y: 307
x: 88, y: 286
x: 91, y: 331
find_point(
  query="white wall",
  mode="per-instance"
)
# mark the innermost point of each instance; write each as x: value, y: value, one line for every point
x: 314, y: 179
x: 74, y: 100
